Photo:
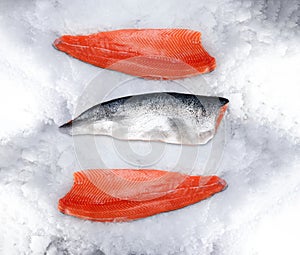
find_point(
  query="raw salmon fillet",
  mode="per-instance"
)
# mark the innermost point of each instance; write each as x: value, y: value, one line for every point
x: 117, y: 195
x: 148, y: 53
x: 167, y: 117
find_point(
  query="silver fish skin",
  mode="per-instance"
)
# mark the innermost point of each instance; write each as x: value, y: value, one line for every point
x: 168, y: 117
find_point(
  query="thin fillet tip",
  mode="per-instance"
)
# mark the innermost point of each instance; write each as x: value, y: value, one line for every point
x: 57, y: 43
x: 65, y: 128
x: 223, y: 101
x: 223, y: 183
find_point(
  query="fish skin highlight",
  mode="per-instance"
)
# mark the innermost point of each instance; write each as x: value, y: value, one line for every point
x: 149, y: 53
x: 168, y: 117
x: 119, y: 195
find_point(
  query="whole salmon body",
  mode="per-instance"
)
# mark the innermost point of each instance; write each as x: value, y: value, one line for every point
x: 148, y: 53
x: 128, y: 194
x: 167, y: 117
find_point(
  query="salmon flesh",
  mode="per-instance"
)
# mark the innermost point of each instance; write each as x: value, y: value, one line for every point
x: 148, y: 53
x: 116, y: 195
x: 166, y: 117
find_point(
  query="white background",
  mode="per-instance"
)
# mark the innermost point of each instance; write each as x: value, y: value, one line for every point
x: 256, y: 45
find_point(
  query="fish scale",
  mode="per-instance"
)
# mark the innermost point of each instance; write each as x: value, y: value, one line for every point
x: 167, y: 117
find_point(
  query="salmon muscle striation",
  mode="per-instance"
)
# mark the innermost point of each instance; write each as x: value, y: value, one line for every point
x: 149, y: 53
x: 118, y: 195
